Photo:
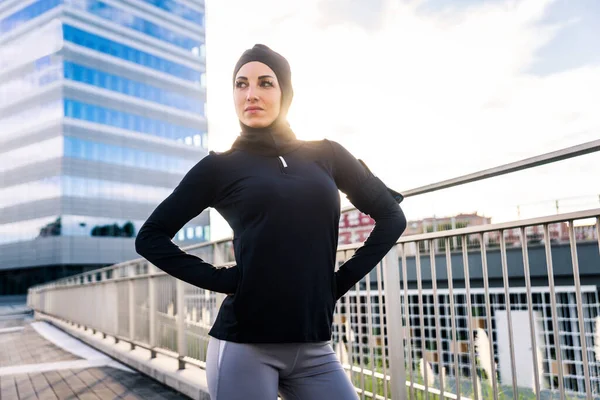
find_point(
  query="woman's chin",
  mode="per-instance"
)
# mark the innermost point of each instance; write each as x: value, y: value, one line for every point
x: 257, y: 123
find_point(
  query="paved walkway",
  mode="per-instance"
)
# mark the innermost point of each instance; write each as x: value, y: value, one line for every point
x: 90, y: 383
x: 22, y: 345
x: 37, y: 361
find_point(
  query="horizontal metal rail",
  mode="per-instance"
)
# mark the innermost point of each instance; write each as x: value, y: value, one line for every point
x: 527, y: 163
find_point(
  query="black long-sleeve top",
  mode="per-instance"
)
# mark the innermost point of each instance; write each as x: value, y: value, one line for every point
x: 281, y: 198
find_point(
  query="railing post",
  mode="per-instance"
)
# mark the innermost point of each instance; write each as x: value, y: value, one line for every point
x: 131, y: 312
x: 393, y: 311
x: 152, y: 309
x: 116, y: 308
x: 180, y: 321
x: 100, y: 292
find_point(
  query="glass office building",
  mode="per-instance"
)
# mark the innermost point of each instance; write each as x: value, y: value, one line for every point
x: 102, y: 112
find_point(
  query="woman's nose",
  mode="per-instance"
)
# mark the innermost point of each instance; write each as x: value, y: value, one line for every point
x: 251, y: 94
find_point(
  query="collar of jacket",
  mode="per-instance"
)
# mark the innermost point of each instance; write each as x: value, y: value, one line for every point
x: 275, y: 140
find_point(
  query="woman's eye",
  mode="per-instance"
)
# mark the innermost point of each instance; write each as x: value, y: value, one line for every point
x: 267, y: 83
x: 240, y: 84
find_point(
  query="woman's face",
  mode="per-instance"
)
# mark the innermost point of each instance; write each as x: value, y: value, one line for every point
x: 257, y: 95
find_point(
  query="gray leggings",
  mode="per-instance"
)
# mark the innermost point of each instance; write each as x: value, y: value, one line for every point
x: 297, y: 371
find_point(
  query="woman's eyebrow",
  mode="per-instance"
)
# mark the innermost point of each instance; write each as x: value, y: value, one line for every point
x: 243, y: 78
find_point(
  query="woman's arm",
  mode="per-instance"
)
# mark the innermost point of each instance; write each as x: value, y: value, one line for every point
x: 370, y: 196
x: 194, y: 194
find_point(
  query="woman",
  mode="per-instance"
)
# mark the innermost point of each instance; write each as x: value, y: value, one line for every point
x: 280, y: 196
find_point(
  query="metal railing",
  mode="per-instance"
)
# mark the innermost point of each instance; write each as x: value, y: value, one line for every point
x: 477, y: 312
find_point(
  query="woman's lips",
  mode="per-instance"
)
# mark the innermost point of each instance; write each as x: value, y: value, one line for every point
x: 254, y: 110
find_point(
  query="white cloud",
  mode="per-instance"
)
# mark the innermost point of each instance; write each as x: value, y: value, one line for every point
x: 426, y: 97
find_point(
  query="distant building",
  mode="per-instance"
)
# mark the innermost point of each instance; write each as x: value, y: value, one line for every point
x: 355, y: 227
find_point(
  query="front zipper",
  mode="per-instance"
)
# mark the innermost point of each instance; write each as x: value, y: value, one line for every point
x: 283, y: 164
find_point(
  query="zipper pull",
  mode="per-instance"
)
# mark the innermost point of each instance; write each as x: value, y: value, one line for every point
x: 283, y: 162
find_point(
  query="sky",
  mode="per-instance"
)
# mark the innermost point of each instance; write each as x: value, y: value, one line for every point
x: 428, y: 90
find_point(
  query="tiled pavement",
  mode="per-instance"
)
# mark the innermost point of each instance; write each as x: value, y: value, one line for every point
x: 27, y: 347
x: 90, y: 383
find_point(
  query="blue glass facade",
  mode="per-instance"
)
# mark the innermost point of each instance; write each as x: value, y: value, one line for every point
x: 111, y: 47
x: 48, y: 70
x: 85, y: 226
x: 117, y: 15
x: 141, y: 90
x: 40, y: 73
x: 128, y: 20
x: 28, y: 13
x: 77, y: 186
x: 121, y: 155
x: 120, y: 119
x: 65, y: 171
x: 128, y: 53
x: 81, y: 149
x: 105, y: 116
x: 179, y: 9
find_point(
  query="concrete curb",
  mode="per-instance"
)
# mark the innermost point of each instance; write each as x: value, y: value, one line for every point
x: 190, y: 381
